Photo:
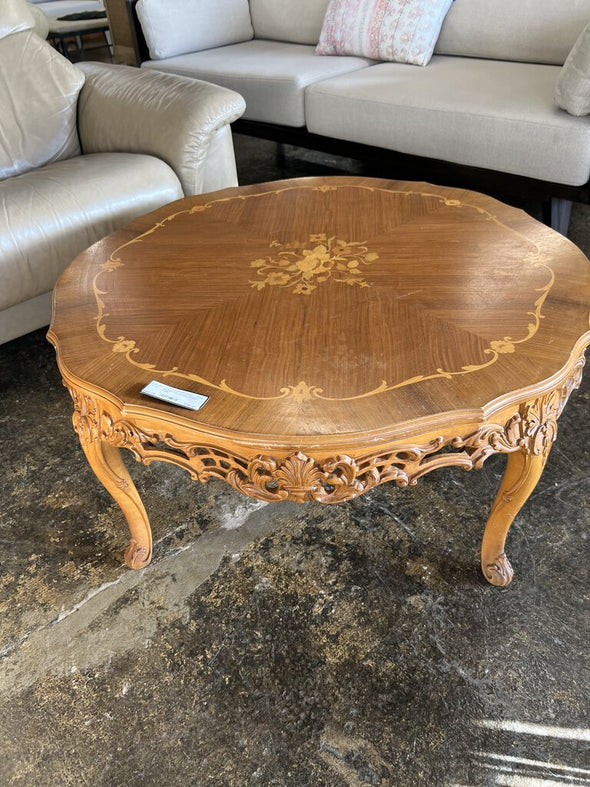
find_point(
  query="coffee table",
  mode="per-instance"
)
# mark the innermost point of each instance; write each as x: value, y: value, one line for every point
x: 343, y: 332
x: 63, y: 30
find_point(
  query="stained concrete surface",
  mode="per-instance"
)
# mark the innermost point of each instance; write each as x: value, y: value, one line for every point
x: 281, y: 644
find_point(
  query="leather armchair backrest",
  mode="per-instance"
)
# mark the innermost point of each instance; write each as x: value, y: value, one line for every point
x: 38, y: 94
x: 41, y: 20
x: 15, y: 16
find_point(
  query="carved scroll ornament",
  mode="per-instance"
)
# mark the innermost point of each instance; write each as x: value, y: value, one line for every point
x: 299, y: 477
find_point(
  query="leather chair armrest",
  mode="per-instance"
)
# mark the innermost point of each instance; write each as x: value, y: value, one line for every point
x: 125, y: 109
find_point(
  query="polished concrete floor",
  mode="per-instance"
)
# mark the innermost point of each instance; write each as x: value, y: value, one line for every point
x: 297, y: 646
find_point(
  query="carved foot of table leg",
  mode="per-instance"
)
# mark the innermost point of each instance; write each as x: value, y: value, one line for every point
x: 523, y: 470
x: 109, y: 468
x: 499, y: 572
x: 137, y: 556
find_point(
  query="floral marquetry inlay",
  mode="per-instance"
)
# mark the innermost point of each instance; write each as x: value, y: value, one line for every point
x: 302, y: 266
x: 303, y: 263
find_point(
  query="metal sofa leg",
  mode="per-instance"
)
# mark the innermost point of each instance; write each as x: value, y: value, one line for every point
x: 560, y: 214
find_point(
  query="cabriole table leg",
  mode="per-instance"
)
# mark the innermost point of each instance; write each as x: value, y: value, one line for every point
x: 107, y: 464
x: 523, y: 470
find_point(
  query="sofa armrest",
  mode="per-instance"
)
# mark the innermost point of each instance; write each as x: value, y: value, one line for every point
x: 124, y: 109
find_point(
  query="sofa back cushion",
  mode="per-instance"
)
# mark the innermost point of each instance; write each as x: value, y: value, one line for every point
x: 39, y: 94
x: 176, y: 27
x: 572, y: 90
x: 533, y: 31
x: 295, y: 21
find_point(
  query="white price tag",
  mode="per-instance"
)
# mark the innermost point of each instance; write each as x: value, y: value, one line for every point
x: 166, y: 393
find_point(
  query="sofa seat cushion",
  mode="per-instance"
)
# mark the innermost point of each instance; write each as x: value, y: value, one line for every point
x: 484, y: 113
x: 50, y: 215
x: 270, y: 75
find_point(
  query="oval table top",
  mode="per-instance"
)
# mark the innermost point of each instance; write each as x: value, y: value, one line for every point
x: 325, y: 311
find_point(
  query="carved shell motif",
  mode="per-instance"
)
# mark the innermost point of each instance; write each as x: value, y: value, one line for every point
x: 300, y: 478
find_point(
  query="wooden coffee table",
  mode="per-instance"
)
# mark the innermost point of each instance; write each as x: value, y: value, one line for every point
x: 344, y: 331
x: 61, y: 31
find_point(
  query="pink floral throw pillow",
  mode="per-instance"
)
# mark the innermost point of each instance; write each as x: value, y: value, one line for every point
x: 405, y: 31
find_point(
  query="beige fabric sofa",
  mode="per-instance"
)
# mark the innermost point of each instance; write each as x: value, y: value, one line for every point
x: 83, y: 150
x: 485, y: 100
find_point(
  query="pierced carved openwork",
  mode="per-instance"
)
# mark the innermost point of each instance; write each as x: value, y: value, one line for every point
x: 299, y: 477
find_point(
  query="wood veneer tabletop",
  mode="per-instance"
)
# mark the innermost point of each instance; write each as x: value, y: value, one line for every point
x: 325, y: 310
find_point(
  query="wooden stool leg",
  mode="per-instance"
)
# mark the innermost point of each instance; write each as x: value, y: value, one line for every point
x: 523, y: 470
x: 108, y: 466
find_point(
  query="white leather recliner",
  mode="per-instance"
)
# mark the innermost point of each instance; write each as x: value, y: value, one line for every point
x: 83, y: 150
